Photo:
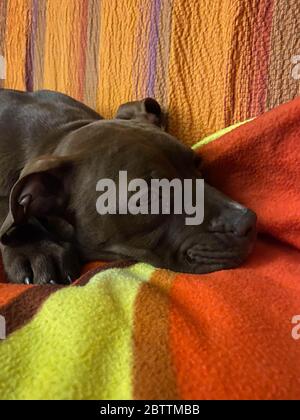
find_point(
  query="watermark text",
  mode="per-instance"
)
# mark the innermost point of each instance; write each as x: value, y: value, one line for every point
x: 2, y: 328
x: 159, y: 196
x: 2, y: 68
x: 296, y: 328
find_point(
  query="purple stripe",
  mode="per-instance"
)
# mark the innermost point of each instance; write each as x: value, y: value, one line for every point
x: 137, y: 71
x: 153, y: 43
x: 30, y: 46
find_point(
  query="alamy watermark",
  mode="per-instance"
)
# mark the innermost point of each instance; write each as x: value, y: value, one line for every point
x: 2, y: 328
x: 296, y: 328
x: 159, y: 196
x: 296, y: 67
x: 2, y: 68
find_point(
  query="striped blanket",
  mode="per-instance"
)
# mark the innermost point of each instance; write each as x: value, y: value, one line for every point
x: 132, y: 331
x: 210, y: 63
x: 129, y: 330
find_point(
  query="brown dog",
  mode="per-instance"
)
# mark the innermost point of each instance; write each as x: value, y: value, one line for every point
x: 54, y: 150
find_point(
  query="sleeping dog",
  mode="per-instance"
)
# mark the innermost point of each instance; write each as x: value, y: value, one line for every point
x: 54, y: 150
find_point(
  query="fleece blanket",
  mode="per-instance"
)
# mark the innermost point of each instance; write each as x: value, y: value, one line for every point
x: 132, y: 331
x: 210, y: 63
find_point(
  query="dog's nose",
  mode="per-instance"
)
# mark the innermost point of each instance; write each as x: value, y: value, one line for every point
x: 246, y: 223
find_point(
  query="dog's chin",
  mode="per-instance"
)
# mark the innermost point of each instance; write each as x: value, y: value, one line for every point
x: 198, y: 261
x: 215, y: 266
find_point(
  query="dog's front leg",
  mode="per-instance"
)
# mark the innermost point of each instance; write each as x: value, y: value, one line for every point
x: 36, y: 253
x: 37, y: 247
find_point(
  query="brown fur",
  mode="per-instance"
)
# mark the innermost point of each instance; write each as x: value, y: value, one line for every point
x: 53, y: 150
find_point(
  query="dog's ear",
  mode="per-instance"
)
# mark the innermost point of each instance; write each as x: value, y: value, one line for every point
x: 41, y: 190
x: 147, y: 110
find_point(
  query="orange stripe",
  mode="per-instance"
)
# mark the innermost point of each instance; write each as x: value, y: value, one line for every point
x: 17, y: 22
x: 62, y: 46
x: 141, y: 47
x: 153, y: 375
x: 117, y: 41
x: 231, y: 330
x: 199, y: 45
x: 9, y: 292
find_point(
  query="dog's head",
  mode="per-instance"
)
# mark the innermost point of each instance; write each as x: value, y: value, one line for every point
x: 66, y: 185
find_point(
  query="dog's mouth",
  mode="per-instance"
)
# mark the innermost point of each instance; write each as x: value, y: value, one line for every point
x: 225, y: 252
x: 205, y: 262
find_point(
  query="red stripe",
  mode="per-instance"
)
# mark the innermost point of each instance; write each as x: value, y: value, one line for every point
x: 260, y: 58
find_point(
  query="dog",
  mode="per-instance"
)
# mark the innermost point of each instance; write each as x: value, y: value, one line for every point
x: 54, y: 150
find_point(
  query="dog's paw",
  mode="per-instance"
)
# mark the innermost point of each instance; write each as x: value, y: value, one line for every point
x: 43, y: 262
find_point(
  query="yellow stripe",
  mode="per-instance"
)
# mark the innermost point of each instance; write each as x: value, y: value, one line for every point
x: 218, y: 134
x: 79, y: 346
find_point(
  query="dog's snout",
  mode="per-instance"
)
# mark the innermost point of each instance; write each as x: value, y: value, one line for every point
x: 246, y: 223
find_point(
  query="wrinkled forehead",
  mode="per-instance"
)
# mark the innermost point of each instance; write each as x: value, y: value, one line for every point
x: 142, y: 151
x: 152, y: 150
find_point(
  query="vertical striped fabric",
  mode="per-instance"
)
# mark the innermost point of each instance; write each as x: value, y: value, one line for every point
x: 211, y: 64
